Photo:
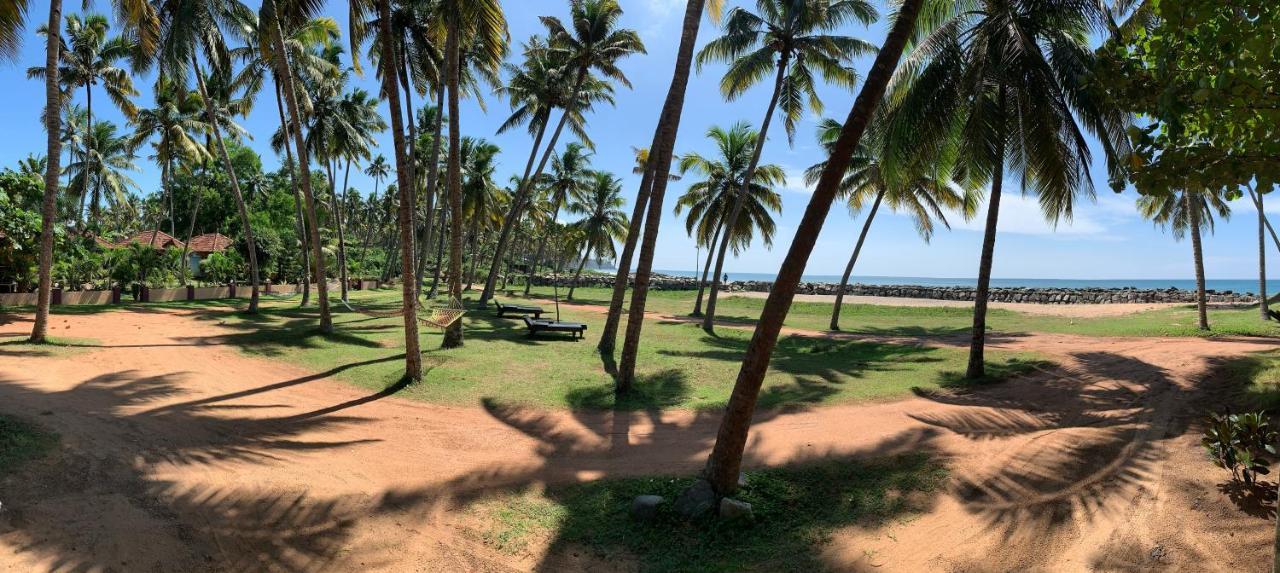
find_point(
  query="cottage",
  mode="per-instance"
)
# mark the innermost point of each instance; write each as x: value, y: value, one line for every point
x: 201, y: 246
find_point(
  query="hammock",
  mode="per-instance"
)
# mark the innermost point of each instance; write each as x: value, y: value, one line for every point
x: 437, y: 317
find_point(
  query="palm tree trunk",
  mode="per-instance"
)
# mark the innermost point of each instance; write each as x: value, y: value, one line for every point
x: 191, y: 229
x: 513, y: 220
x: 1193, y: 211
x: 708, y: 320
x: 576, y: 275
x: 978, y: 338
x: 433, y: 173
x: 284, y: 76
x: 474, y: 234
x: 1262, y: 256
x: 453, y: 334
x: 299, y: 228
x: 49, y: 202
x: 853, y: 259
x: 166, y: 180
x: 706, y: 270
x: 435, y: 275
x: 408, y: 294
x: 412, y: 151
x: 342, y: 241
x: 235, y: 186
x: 542, y: 245
x: 725, y: 460
x: 660, y: 155
x: 621, y: 279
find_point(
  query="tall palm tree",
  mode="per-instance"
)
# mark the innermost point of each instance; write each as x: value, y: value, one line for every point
x: 923, y: 190
x: 142, y: 23
x: 378, y: 170
x: 1184, y: 212
x: 298, y: 40
x: 89, y: 59
x: 592, y: 43
x: 603, y: 220
x: 793, y: 37
x: 193, y: 28
x: 101, y: 169
x: 570, y: 174
x: 479, y: 23
x: 725, y: 460
x: 712, y: 200
x: 480, y: 194
x: 174, y: 126
x: 653, y: 186
x: 1009, y: 82
x: 1256, y: 195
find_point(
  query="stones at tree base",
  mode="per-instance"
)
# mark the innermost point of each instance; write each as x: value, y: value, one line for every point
x: 645, y: 507
x: 732, y: 509
x: 742, y: 479
x: 696, y: 501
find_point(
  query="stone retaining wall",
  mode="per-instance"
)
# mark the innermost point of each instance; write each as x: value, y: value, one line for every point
x: 1032, y: 295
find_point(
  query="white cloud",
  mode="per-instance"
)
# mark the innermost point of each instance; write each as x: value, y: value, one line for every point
x: 659, y: 13
x: 795, y: 181
x: 1022, y: 216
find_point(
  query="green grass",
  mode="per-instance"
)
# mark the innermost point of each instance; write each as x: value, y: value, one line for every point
x: 931, y: 321
x: 797, y: 509
x: 679, y: 366
x: 1257, y: 376
x: 53, y: 347
x: 21, y: 442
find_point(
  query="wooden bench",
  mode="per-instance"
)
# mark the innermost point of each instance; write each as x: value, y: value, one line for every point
x: 505, y: 309
x: 575, y: 329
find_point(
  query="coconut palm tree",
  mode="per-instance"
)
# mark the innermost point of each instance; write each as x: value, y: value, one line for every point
x: 300, y: 40
x: 570, y: 174
x: 378, y: 170
x: 1188, y: 212
x: 792, y: 37
x: 101, y: 169
x: 1256, y: 195
x: 725, y: 461
x: 1008, y: 82
x: 603, y: 220
x: 653, y: 186
x: 175, y: 127
x: 89, y: 59
x: 480, y: 194
x: 482, y: 25
x: 923, y: 191
x: 592, y: 43
x: 712, y: 199
x: 13, y: 17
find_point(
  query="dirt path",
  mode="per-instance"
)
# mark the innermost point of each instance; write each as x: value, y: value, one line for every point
x: 181, y: 454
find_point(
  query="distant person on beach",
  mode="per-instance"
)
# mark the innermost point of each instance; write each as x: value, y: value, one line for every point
x: 725, y: 279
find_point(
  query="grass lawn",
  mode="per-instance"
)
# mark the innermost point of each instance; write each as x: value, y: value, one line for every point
x: 20, y: 442
x: 796, y: 508
x: 679, y: 365
x: 1258, y: 378
x: 53, y: 346
x: 929, y: 321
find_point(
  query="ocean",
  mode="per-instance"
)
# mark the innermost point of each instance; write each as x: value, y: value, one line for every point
x: 1234, y: 285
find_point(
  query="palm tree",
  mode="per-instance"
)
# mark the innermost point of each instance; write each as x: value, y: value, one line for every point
x: 570, y: 174
x: 653, y: 186
x: 89, y: 59
x: 299, y: 42
x: 1008, y: 82
x: 603, y: 220
x: 711, y: 201
x: 100, y: 170
x: 791, y: 36
x: 923, y: 190
x: 482, y: 24
x: 1184, y: 212
x: 175, y: 125
x: 481, y: 196
x: 141, y: 22
x: 13, y: 17
x: 725, y: 460
x: 379, y: 170
x: 1256, y: 195
x: 593, y: 42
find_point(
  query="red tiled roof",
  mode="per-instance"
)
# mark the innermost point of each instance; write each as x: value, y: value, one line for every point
x: 209, y: 243
x: 158, y: 239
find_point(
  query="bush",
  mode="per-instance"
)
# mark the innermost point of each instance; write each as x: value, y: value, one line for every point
x: 1240, y: 443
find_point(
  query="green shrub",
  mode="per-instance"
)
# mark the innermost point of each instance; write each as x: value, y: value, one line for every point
x: 1240, y: 443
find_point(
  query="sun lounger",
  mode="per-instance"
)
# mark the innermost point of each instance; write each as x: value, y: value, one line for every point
x: 505, y: 309
x: 575, y: 329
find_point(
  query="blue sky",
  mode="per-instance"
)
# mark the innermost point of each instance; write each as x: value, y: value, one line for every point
x: 1107, y: 239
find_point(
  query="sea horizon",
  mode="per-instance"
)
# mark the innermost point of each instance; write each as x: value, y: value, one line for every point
x: 1245, y: 285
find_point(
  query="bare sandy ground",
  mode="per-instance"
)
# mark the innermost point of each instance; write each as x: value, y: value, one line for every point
x: 181, y: 454
x: 1068, y: 310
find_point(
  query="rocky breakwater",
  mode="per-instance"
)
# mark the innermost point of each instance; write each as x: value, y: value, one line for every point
x: 1030, y: 295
